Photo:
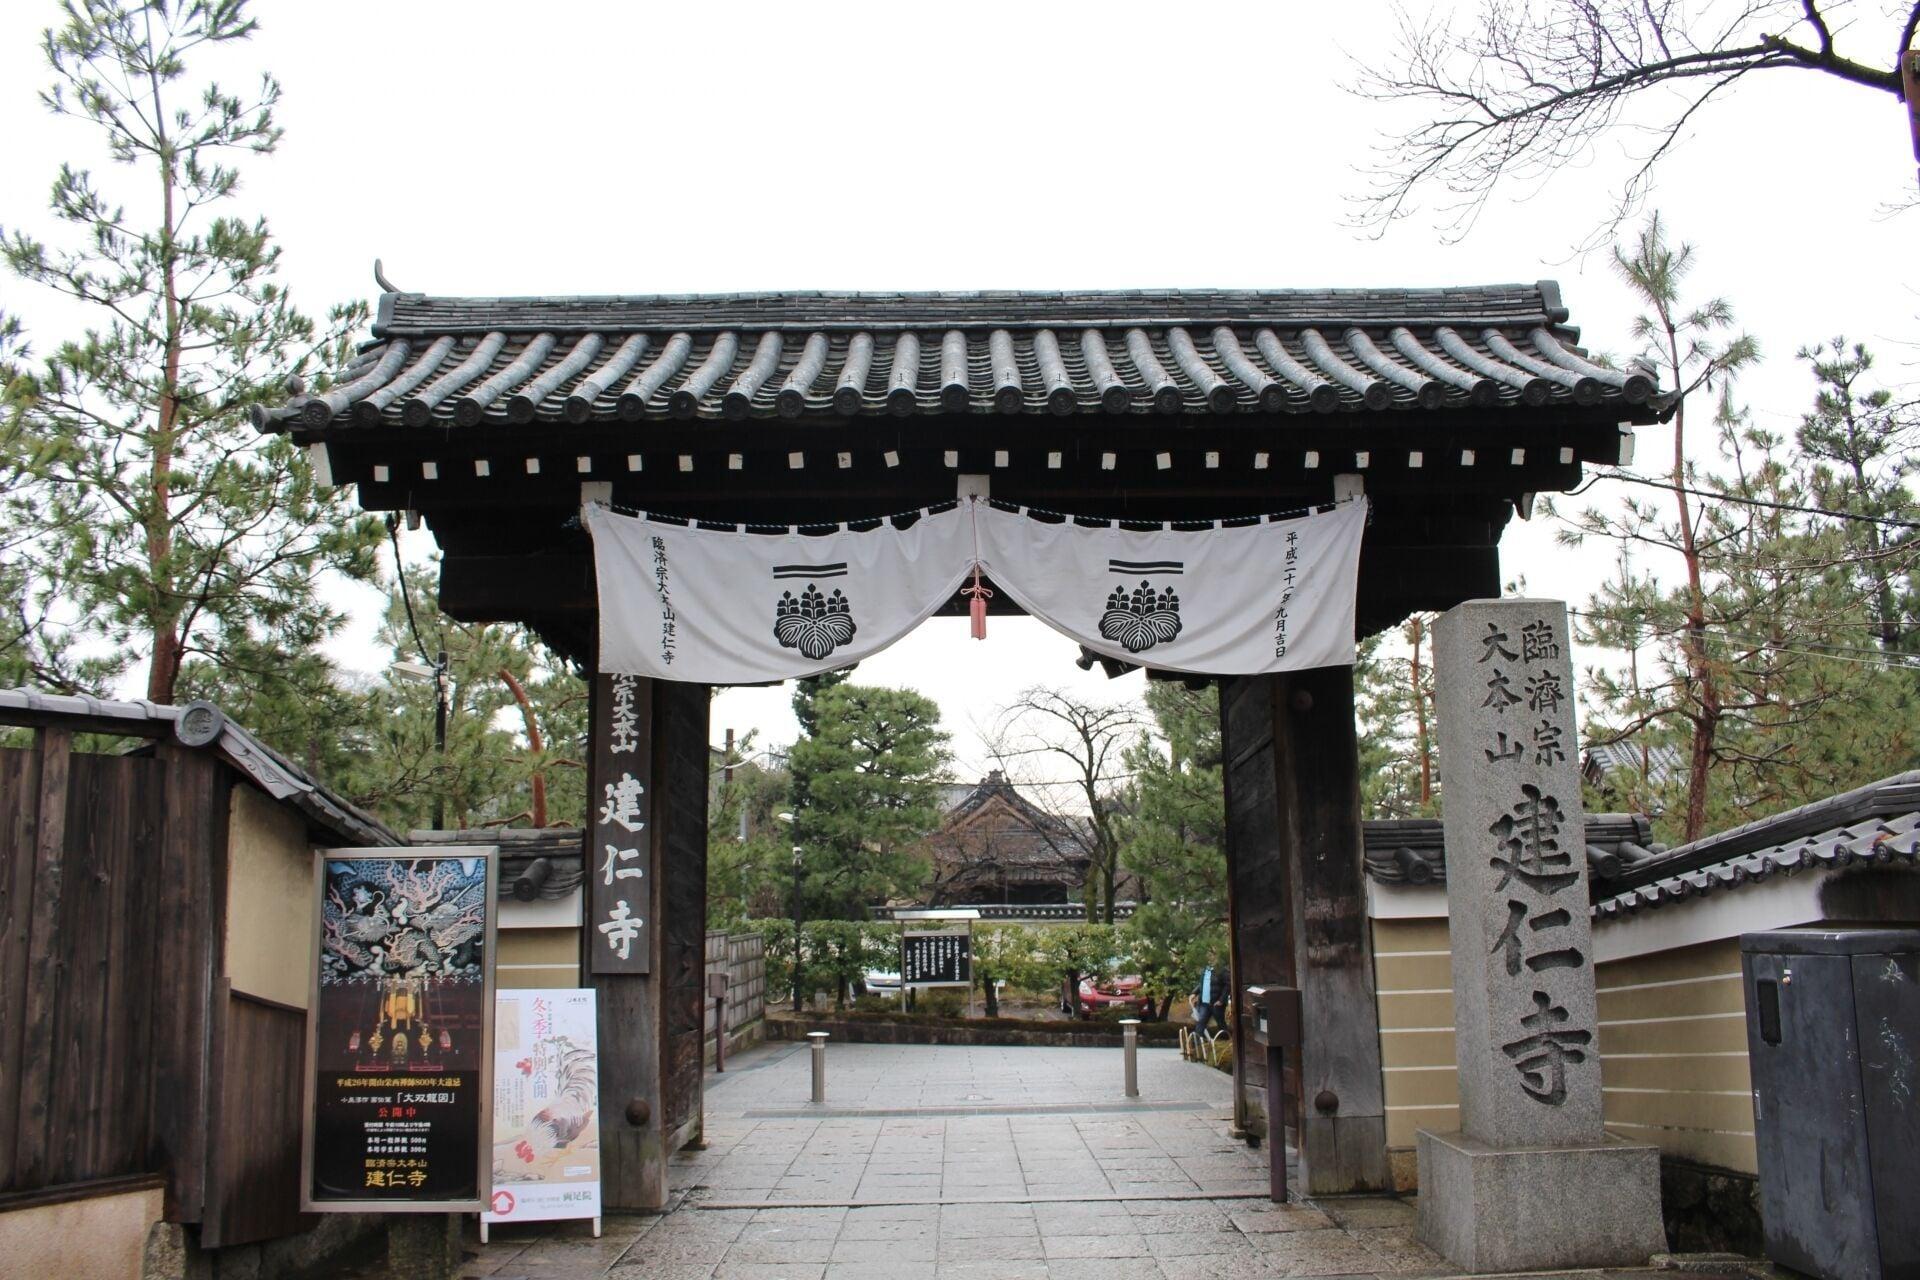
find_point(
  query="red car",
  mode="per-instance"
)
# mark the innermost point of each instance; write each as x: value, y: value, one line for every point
x: 1119, y: 992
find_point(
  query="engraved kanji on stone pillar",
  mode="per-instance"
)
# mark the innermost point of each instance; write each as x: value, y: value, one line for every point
x: 1523, y: 992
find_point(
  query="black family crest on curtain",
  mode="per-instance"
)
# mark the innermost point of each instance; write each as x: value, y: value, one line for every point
x: 1139, y: 619
x: 1265, y: 593
x: 813, y: 623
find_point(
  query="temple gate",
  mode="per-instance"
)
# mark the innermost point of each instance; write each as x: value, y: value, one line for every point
x: 495, y: 419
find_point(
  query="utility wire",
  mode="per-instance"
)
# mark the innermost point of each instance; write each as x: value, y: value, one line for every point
x: 1837, y: 653
x: 406, y: 596
x: 1670, y: 487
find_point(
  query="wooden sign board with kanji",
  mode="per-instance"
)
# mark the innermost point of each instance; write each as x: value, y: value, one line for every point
x: 619, y: 847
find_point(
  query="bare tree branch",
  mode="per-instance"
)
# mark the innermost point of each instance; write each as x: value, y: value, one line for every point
x: 1523, y: 88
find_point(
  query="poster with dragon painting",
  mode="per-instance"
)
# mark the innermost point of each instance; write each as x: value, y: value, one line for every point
x: 546, y: 1105
x: 400, y: 1032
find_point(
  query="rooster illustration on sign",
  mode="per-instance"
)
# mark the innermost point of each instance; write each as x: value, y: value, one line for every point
x: 1139, y: 619
x: 813, y: 623
x: 564, y: 1124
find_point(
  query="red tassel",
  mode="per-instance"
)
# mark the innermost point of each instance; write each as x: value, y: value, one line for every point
x: 977, y: 608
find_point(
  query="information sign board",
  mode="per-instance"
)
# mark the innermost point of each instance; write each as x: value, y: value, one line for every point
x: 546, y: 1103
x: 936, y: 959
x: 400, y: 1032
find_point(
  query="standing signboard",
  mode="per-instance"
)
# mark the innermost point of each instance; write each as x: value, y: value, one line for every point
x: 397, y: 1109
x: 936, y: 959
x: 546, y: 1107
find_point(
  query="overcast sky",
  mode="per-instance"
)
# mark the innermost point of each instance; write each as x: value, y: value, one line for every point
x: 492, y: 148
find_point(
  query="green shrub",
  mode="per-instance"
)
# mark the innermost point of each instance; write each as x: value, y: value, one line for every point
x: 941, y: 1004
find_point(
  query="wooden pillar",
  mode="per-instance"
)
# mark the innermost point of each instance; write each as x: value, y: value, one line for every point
x: 1298, y: 905
x: 646, y: 814
x: 683, y: 765
x: 618, y: 958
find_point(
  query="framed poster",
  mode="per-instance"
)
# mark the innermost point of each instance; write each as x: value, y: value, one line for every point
x: 936, y: 959
x: 546, y: 1106
x: 397, y: 1106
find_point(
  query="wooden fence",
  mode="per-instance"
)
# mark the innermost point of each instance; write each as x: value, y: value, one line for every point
x: 108, y: 904
x: 742, y: 956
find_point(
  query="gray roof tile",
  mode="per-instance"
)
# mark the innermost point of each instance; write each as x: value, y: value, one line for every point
x: 466, y: 361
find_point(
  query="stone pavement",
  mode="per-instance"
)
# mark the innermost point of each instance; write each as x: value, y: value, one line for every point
x: 995, y: 1163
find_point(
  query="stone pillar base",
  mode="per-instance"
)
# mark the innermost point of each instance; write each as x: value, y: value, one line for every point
x: 423, y: 1246
x: 1491, y: 1209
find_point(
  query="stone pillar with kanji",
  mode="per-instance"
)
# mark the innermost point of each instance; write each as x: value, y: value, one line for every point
x: 1531, y: 1180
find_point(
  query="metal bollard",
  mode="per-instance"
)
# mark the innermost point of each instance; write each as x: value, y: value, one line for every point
x: 819, y: 1042
x: 1130, y: 1046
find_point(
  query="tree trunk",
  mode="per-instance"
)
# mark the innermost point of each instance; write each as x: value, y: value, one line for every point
x: 163, y: 673
x: 1706, y: 718
x: 538, y: 782
x: 1416, y: 629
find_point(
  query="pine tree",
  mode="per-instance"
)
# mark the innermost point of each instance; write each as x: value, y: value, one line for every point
x: 870, y: 774
x: 490, y: 773
x: 1784, y: 624
x: 1174, y: 834
x: 1862, y: 445
x: 171, y: 528
x: 1686, y: 343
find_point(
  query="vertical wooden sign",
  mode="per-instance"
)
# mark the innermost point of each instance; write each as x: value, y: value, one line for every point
x: 619, y: 863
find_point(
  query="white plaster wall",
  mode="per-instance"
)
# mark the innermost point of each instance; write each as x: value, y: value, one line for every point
x: 269, y: 899
x: 96, y: 1239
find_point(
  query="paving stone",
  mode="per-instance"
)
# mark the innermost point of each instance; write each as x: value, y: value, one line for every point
x: 776, y: 1231
x: 664, y: 1247
x: 1370, y: 1211
x: 1318, y: 1253
x: 998, y: 1269
x: 1277, y: 1217
x: 1104, y: 1269
x: 895, y: 1270
x: 781, y: 1251
x: 1068, y: 1226
x: 661, y: 1271
x: 889, y: 1229
x: 1114, y: 1245
x: 768, y: 1271
x: 989, y: 1248
x: 1223, y: 1266
x: 1398, y: 1251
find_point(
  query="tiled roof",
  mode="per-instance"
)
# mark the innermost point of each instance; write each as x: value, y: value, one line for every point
x: 201, y: 724
x: 468, y: 361
x: 1663, y: 762
x: 1413, y: 850
x: 545, y: 862
x: 1875, y: 824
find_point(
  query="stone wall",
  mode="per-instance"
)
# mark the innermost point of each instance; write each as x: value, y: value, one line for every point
x: 899, y: 1029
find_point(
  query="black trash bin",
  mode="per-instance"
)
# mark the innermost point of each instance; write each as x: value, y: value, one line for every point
x: 1833, y: 1035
